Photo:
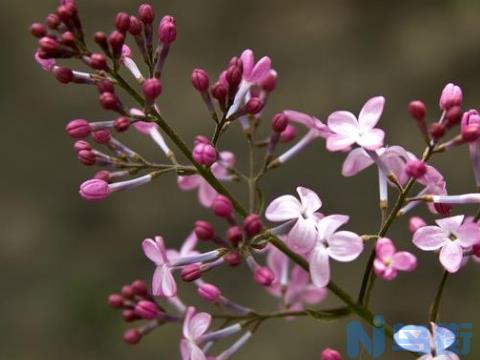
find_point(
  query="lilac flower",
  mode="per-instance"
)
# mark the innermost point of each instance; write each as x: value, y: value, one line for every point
x: 451, y: 237
x: 388, y: 261
x: 342, y: 246
x: 348, y: 130
x: 194, y: 326
x: 206, y: 193
x: 433, y: 344
x: 303, y: 234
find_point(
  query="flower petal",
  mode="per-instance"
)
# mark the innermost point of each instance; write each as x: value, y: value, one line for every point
x: 343, y: 123
x: 248, y: 60
x: 168, y: 286
x: 443, y: 338
x: 320, y: 266
x: 345, y: 246
x: 309, y: 199
x: 451, y: 256
x: 206, y: 194
x: 430, y: 238
x: 356, y: 161
x: 261, y: 69
x: 404, y: 261
x: 189, y: 182
x: 303, y: 235
x: 371, y: 112
x: 338, y: 142
x: 327, y: 225
x: 468, y: 234
x: 189, y: 245
x: 199, y: 324
x: 152, y: 250
x: 450, y: 224
x: 372, y: 139
x: 413, y: 338
x: 284, y: 208
x: 384, y: 248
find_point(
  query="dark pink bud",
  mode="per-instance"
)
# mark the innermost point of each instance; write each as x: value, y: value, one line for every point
x: 146, y: 310
x: 436, y: 131
x: 53, y: 21
x: 86, y: 157
x: 81, y: 145
x: 102, y: 175
x: 264, y: 276
x: 109, y: 101
x: 146, y: 13
x: 152, y: 88
x: 209, y: 292
x: 236, y: 61
x: 94, y: 190
x: 269, y: 82
x: 68, y: 39
x: 104, y: 86
x: 233, y: 258
x: 205, y: 154
x: 116, y: 40
x: 416, y: 169
x: 167, y: 31
x: 101, y: 136
x: 443, y: 209
x: 415, y: 223
x: 471, y: 132
x: 139, y: 288
x: 121, y: 124
x: 252, y: 224
x: 38, y: 30
x: 101, y: 39
x: 78, y: 129
x: 254, y: 105
x: 234, y: 76
x: 129, y: 315
x: 204, y: 230
x: 279, y: 122
x: 288, y: 134
x: 234, y: 235
x: 330, y: 354
x: 470, y: 117
x: 191, y: 272
x: 476, y: 250
x: 219, y: 92
x: 122, y: 22
x: 200, y: 80
x: 451, y: 96
x: 98, y: 61
x: 417, y: 110
x: 132, y: 336
x: 49, y: 46
x: 453, y: 116
x: 115, y: 301
x: 167, y: 18
x: 135, y: 26
x: 66, y: 12
x: 200, y: 139
x: 127, y: 292
x: 63, y: 75
x: 222, y: 206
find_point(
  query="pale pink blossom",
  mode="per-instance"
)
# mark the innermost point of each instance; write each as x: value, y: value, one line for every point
x: 450, y: 237
x: 342, y: 246
x: 348, y: 130
x: 389, y: 262
x: 303, y: 212
x: 194, y: 326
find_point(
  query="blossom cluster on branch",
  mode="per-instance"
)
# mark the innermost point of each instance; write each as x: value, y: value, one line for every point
x: 290, y: 255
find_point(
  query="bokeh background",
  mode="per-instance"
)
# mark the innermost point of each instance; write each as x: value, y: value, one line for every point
x: 60, y: 256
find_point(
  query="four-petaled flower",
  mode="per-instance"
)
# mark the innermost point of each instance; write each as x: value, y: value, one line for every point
x: 389, y: 262
x: 194, y: 326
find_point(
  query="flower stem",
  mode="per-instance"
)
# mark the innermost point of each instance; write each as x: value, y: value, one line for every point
x: 434, y: 309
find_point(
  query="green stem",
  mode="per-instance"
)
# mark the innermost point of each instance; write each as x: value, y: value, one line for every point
x: 438, y: 297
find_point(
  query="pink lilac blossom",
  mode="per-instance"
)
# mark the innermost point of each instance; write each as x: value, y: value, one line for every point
x: 389, y: 262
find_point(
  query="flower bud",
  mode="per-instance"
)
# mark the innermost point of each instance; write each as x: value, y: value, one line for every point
x: 63, y: 75
x: 98, y: 61
x: 288, y: 134
x: 476, y: 250
x: 209, y: 292
x: 471, y: 132
x: 453, y: 116
x: 234, y: 235
x: 122, y: 22
x: 219, y: 92
x: 101, y: 136
x: 234, y: 76
x: 415, y: 223
x: 129, y: 315
x: 451, y: 96
x: 470, y: 117
x: 86, y: 157
x: 127, y: 292
x: 191, y: 272
x: 205, y: 154
x: 139, y: 288
x: 132, y: 336
x: 135, y: 26
x: 102, y: 175
x: 66, y: 12
x: 167, y: 30
x: 109, y: 101
x: 330, y: 354
x: 443, y: 209
x: 101, y: 40
x: 146, y: 310
x: 105, y: 86
x: 264, y: 276
x: 222, y: 206
x: 200, y: 80
x: 152, y: 88
x: 417, y: 110
x: 94, y: 190
x: 38, y: 30
x: 436, y: 131
x: 146, y: 13
x: 252, y: 224
x: 121, y: 124
x: 81, y: 145
x: 68, y: 39
x: 279, y: 122
x: 416, y: 169
x: 115, y: 301
x: 53, y: 21
x: 254, y: 105
x: 78, y: 129
x: 204, y: 230
x: 116, y: 40
x: 233, y: 258
x: 49, y: 46
x: 269, y: 82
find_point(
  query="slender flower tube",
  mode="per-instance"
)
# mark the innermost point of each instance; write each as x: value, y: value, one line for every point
x: 127, y: 61
x: 235, y: 347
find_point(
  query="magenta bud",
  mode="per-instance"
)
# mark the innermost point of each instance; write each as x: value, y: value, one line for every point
x: 279, y: 122
x: 436, y: 131
x: 416, y: 168
x: 122, y: 22
x: 209, y: 292
x: 205, y: 154
x: 102, y: 136
x: 116, y: 40
x: 115, y: 301
x: 94, y: 190
x: 476, y: 250
x: 471, y: 132
x: 167, y: 30
x: 470, y: 117
x: 53, y: 21
x: 200, y: 80
x: 204, y: 230
x: 443, y: 209
x: 63, y: 75
x: 254, y: 105
x: 222, y: 206
x: 66, y: 12
x: 234, y: 235
x: 146, y: 310
x: 415, y: 223
x: 127, y: 292
x: 234, y: 76
x: 49, y: 46
x: 269, y: 82
x: 146, y: 13
x: 135, y: 26
x: 219, y: 92
x: 200, y: 139
x: 252, y: 224
x: 68, y: 39
x: 105, y: 86
x: 330, y: 354
x: 78, y: 129
x: 191, y: 272
x: 101, y: 39
x: 288, y: 134
x: 86, y: 157
x: 454, y: 116
x: 109, y: 101
x: 98, y: 61
x: 451, y: 96
x: 417, y: 110
x: 233, y: 258
x: 81, y: 145
x: 102, y: 175
x: 264, y: 276
x: 139, y: 288
x: 132, y: 336
x: 121, y: 124
x: 38, y: 30
x: 152, y: 88
x: 130, y: 315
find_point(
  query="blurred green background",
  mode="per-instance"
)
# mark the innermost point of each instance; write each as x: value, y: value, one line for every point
x: 60, y: 256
